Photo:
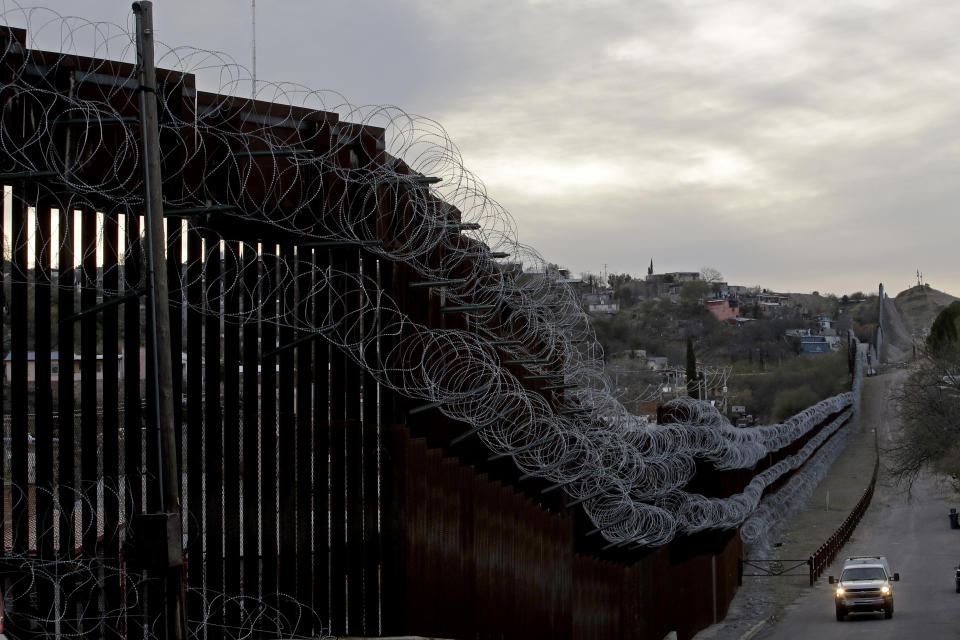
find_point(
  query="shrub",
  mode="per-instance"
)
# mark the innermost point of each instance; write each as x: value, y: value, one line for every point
x: 792, y: 401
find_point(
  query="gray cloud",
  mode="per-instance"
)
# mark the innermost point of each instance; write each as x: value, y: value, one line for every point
x: 796, y: 145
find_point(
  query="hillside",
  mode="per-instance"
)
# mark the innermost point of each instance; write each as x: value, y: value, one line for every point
x: 918, y: 306
x: 907, y: 319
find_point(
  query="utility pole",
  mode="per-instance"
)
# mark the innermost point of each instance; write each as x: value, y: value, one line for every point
x: 253, y: 43
x: 160, y: 323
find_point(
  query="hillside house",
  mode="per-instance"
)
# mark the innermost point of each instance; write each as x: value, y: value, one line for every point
x: 667, y: 284
x: 55, y: 365
x: 819, y: 344
x: 657, y: 363
x: 771, y: 300
x: 723, y: 309
x: 600, y: 302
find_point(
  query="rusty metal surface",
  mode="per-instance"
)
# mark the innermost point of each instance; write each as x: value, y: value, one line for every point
x: 369, y: 516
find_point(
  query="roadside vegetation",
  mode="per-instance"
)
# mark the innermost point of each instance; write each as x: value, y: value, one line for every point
x: 929, y: 405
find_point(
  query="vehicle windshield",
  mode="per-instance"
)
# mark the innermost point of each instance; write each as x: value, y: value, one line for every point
x: 863, y: 573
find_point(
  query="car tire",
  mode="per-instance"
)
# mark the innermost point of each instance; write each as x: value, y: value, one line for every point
x: 841, y: 614
x: 888, y: 612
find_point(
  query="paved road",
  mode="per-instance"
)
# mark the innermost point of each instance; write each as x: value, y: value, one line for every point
x: 913, y: 532
x: 916, y: 538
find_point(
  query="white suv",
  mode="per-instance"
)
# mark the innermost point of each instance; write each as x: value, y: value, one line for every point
x: 864, y: 585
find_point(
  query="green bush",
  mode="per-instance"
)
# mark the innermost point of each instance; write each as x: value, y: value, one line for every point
x: 944, y: 331
x: 792, y: 401
x: 810, y: 378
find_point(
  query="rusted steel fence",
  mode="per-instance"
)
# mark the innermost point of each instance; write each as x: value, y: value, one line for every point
x: 316, y: 499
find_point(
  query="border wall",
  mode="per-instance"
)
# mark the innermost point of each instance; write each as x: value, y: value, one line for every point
x: 317, y: 500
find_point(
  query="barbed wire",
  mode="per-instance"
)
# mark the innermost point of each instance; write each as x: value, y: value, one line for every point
x: 53, y: 562
x: 307, y: 171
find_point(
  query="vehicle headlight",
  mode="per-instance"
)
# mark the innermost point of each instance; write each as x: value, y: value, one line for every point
x: 839, y: 591
x: 885, y: 590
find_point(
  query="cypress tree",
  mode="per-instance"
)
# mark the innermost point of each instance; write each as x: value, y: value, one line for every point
x: 692, y: 382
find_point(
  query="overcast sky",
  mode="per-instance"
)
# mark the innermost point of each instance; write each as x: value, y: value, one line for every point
x: 797, y: 145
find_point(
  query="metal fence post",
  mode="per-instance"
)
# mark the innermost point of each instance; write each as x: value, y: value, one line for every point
x: 160, y: 322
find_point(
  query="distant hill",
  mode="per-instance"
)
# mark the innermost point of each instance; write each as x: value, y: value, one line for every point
x: 907, y: 319
x: 919, y: 306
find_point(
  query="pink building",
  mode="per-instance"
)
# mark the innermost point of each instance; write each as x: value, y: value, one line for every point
x: 723, y: 310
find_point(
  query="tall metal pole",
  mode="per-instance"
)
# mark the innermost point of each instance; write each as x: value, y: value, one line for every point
x: 159, y: 298
x: 253, y: 42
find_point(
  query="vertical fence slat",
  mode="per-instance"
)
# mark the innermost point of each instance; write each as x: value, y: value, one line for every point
x: 133, y: 399
x: 111, y: 421
x: 388, y: 496
x: 268, y: 431
x: 371, y: 446
x: 4, y: 260
x: 304, y: 381
x: 231, y: 437
x: 196, y: 529
x: 354, y: 443
x: 321, y: 441
x: 19, y: 344
x: 287, y: 434
x: 66, y: 425
x: 395, y: 612
x: 338, y: 480
x: 213, y: 433
x: 18, y: 514
x: 418, y: 583
x: 175, y: 302
x: 43, y: 402
x: 251, y: 421
x: 90, y: 368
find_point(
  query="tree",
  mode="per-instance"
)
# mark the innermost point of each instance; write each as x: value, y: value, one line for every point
x: 624, y: 295
x: 789, y: 402
x: 591, y: 280
x: 692, y: 292
x: 945, y: 329
x: 712, y: 277
x: 616, y: 280
x: 929, y: 406
x: 693, y: 383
